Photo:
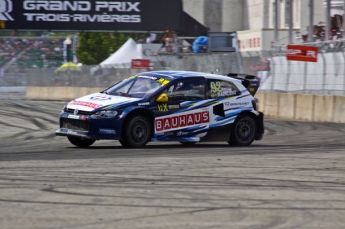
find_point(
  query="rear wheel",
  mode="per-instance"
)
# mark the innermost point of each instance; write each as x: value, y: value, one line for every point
x: 136, y: 132
x: 82, y: 143
x: 243, y: 131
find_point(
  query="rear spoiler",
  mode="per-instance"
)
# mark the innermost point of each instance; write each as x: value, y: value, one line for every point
x: 251, y: 82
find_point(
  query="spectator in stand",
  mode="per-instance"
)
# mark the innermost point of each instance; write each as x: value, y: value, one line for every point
x: 167, y: 39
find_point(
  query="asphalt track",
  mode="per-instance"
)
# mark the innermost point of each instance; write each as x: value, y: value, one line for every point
x: 293, y: 178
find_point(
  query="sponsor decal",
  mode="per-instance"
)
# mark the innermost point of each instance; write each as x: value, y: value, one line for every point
x: 236, y: 104
x: 175, y: 106
x: 166, y: 107
x: 182, y: 120
x: 85, y: 104
x: 180, y: 133
x: 71, y: 132
x: 105, y: 10
x: 144, y: 104
x: 169, y: 133
x: 106, y: 131
x: 163, y: 81
x: 6, y: 7
x: 100, y: 98
x: 162, y: 107
x: 73, y: 116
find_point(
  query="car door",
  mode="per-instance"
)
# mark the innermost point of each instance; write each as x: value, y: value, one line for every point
x: 180, y: 115
x: 222, y: 94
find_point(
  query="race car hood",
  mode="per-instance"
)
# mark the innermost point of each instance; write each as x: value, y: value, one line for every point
x: 97, y: 100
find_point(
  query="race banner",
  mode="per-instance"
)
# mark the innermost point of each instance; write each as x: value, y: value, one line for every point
x: 302, y: 53
x: 91, y: 15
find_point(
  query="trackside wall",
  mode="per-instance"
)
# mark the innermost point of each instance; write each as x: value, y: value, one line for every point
x: 304, y: 107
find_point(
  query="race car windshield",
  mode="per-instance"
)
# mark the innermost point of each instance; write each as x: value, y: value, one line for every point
x: 137, y: 87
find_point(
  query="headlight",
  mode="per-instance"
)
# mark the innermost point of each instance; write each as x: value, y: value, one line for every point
x: 104, y: 114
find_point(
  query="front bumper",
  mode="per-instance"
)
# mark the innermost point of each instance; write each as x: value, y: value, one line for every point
x: 75, y: 133
x: 85, y: 127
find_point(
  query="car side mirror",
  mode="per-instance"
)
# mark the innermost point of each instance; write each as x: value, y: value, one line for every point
x: 162, y: 98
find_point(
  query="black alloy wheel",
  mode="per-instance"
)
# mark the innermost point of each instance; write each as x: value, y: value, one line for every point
x: 243, y: 131
x: 136, y: 132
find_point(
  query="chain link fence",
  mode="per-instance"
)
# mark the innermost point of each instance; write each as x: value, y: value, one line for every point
x: 104, y: 76
x: 325, y: 77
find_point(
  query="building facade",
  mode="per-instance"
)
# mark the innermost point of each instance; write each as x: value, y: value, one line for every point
x: 254, y: 20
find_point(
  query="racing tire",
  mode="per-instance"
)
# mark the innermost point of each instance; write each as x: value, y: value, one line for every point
x: 82, y: 143
x: 136, y: 132
x: 188, y: 143
x: 243, y: 131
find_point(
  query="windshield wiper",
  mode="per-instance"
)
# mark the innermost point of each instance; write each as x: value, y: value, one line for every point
x: 120, y: 93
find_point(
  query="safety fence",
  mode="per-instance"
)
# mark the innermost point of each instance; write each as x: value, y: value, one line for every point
x: 104, y: 76
x: 326, y: 76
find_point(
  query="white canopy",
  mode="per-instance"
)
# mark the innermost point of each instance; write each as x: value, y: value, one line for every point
x: 124, y: 55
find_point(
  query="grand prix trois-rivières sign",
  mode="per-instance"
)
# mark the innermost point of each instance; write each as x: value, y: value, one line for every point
x: 90, y: 15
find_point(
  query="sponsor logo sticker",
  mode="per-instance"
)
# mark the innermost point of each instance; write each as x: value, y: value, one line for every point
x: 100, y: 98
x: 182, y: 120
x: 73, y: 116
x: 85, y: 104
x: 106, y: 131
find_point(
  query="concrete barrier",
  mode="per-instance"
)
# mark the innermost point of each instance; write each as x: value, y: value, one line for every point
x: 271, y: 104
x: 339, y: 109
x: 317, y: 108
x: 323, y: 108
x: 304, y: 108
x: 287, y: 106
x: 59, y: 93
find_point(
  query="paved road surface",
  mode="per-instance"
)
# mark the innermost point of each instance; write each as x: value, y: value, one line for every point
x: 293, y: 178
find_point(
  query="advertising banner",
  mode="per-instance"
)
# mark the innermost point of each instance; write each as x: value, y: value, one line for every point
x: 91, y: 15
x: 302, y: 53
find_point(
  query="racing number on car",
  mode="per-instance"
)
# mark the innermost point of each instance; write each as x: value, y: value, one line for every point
x: 216, y: 87
x: 163, y: 107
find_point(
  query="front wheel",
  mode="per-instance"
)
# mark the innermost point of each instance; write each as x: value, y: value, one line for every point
x: 243, y: 131
x: 136, y: 132
x: 82, y: 143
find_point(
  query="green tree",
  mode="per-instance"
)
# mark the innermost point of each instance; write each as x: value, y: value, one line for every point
x: 93, y: 48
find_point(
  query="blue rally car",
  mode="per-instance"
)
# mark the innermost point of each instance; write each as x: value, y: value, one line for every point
x: 181, y: 106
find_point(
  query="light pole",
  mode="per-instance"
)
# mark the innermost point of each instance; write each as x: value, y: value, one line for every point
x: 311, y: 20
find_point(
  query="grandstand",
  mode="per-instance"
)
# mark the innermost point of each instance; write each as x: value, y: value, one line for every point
x: 23, y: 53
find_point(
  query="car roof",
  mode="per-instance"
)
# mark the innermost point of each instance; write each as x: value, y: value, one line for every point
x: 185, y: 74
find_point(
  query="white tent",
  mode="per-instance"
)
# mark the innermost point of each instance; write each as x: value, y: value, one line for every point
x: 124, y: 55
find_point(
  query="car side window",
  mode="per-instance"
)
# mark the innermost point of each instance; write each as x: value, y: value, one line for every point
x: 185, y: 90
x: 220, y: 89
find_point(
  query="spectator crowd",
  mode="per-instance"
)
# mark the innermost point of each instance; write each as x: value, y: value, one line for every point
x: 31, y: 52
x: 319, y: 31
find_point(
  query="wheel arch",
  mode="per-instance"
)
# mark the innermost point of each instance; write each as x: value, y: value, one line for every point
x: 258, y: 121
x: 143, y: 112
